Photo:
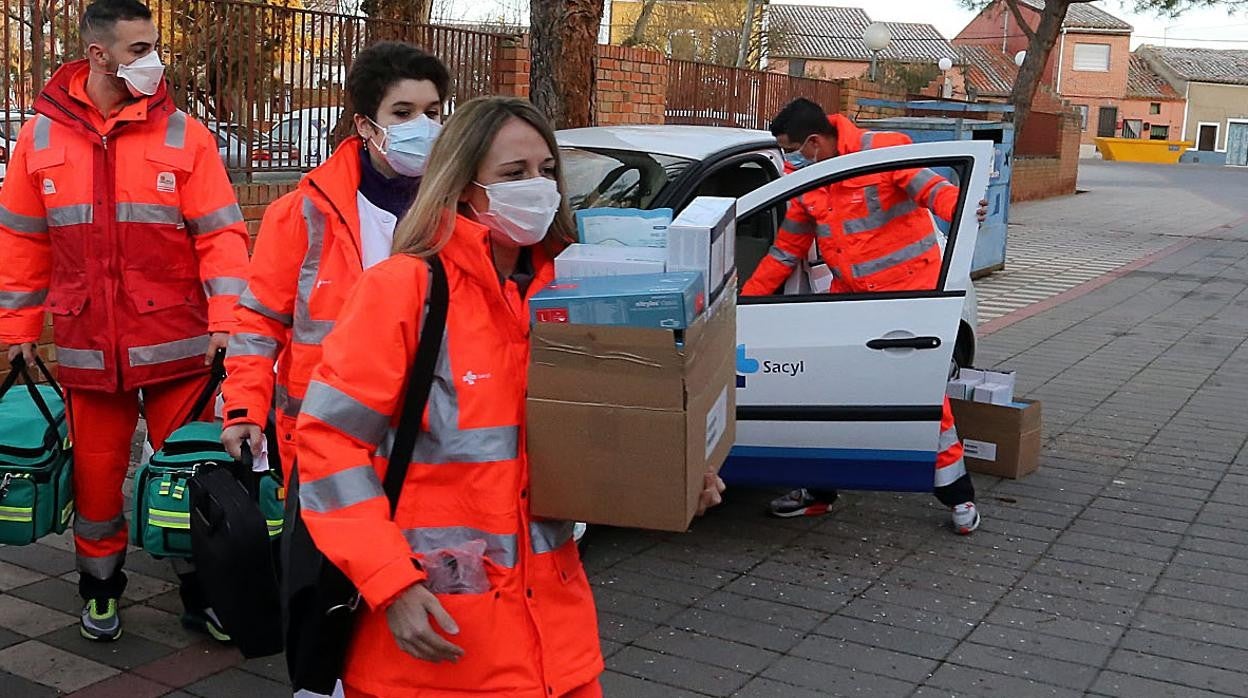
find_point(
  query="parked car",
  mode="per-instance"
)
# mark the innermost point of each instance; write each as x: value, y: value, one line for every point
x: 837, y: 391
x: 10, y: 126
x: 243, y: 149
x: 308, y: 130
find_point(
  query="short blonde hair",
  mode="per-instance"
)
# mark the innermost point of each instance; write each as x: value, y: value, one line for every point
x: 462, y: 145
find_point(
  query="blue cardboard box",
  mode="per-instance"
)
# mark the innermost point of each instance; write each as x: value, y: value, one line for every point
x: 669, y: 301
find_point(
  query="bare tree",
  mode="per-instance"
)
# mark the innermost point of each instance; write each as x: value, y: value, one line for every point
x: 564, y: 37
x: 642, y: 23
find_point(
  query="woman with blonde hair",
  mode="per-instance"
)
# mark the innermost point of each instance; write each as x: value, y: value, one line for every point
x: 491, y: 210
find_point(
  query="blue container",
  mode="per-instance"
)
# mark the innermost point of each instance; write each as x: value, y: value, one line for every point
x: 990, y: 247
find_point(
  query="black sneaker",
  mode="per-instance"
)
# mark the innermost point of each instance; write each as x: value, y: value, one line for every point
x: 802, y: 503
x: 205, y: 621
x: 100, y: 620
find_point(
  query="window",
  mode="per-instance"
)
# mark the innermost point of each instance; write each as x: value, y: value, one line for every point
x: 797, y: 67
x: 1092, y: 57
x: 1159, y: 133
x: 1154, y: 108
x: 1208, y: 140
x: 617, y: 178
x: 1132, y: 128
x: 1083, y: 117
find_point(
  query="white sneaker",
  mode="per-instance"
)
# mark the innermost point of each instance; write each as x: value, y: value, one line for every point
x: 965, y: 519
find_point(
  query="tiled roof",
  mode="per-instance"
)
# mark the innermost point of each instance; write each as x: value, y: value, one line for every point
x: 1143, y: 82
x: 991, y: 72
x: 835, y: 33
x: 1082, y: 15
x: 1226, y: 67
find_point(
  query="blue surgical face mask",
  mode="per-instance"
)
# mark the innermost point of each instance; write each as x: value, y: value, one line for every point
x: 796, y: 160
x: 406, y: 145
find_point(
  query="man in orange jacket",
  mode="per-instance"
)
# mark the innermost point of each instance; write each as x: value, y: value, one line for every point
x: 876, y: 235
x: 117, y: 216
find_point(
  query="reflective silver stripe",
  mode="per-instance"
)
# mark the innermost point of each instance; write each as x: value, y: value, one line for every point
x: 290, y: 405
x: 84, y: 359
x: 148, y: 213
x: 950, y: 473
x: 823, y: 230
x: 876, y: 216
x: 446, y: 442
x: 912, y: 251
x: 788, y: 260
x: 797, y: 227
x: 43, y: 133
x: 307, y: 330
x: 175, y: 130
x: 165, y: 352
x: 248, y: 300
x: 948, y: 439
x: 499, y: 547
x: 218, y: 219
x: 169, y: 520
x: 343, y: 489
x: 77, y: 214
x: 249, y: 344
x: 225, y: 286
x: 19, y: 300
x: 101, y: 567
x: 345, y: 413
x: 98, y: 530
x: 936, y: 190
x: 919, y: 182
x: 22, y: 224
x: 549, y: 536
x: 868, y: 140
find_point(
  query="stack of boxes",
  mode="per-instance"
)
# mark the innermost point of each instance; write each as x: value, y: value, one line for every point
x: 632, y: 378
x: 1001, y: 435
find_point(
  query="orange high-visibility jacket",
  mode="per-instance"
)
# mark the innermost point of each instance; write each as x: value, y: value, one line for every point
x: 873, y: 231
x: 307, y: 257
x: 534, y: 633
x: 127, y: 230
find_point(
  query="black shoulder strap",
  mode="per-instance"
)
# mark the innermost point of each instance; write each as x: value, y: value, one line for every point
x: 419, y: 382
x: 215, y: 376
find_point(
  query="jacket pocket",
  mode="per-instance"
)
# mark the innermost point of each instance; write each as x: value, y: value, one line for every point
x: 40, y: 160
x: 66, y: 302
x: 150, y: 295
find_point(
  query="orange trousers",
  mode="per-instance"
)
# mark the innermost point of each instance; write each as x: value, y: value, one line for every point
x: 102, y: 428
x: 593, y: 689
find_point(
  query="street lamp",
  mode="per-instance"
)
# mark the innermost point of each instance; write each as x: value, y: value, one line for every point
x: 1019, y: 58
x: 877, y: 37
x: 945, y: 66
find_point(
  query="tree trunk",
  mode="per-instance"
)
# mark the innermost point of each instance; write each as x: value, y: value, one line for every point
x: 1038, y: 51
x: 564, y: 43
x: 642, y: 24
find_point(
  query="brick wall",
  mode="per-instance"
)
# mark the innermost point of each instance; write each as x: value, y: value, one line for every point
x: 1042, y: 178
x: 511, y: 68
x: 630, y: 86
x: 852, y: 91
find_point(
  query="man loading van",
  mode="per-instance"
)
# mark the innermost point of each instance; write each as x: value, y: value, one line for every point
x: 876, y: 235
x: 118, y: 217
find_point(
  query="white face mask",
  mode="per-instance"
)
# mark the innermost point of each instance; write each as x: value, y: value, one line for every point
x: 406, y: 146
x: 143, y: 75
x: 521, y: 211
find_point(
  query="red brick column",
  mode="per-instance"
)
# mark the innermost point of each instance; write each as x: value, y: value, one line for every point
x: 511, y: 67
x: 630, y: 86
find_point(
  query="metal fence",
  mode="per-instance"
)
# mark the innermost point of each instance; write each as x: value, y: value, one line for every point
x: 702, y: 94
x: 266, y: 79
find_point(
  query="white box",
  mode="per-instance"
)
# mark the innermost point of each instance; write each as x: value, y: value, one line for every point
x: 960, y: 389
x: 820, y: 278
x: 994, y: 394
x: 582, y: 261
x: 627, y: 227
x: 1006, y: 378
x: 702, y: 238
x: 973, y: 376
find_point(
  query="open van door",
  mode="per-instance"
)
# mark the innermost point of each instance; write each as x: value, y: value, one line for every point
x: 845, y: 391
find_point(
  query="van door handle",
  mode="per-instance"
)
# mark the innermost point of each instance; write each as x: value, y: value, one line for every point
x: 904, y: 343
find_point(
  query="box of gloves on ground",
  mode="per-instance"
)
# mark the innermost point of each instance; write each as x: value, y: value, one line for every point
x: 1001, y: 435
x: 631, y: 383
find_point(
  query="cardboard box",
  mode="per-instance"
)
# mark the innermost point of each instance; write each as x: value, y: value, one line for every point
x: 669, y: 301
x: 1001, y: 440
x: 582, y: 261
x: 703, y: 238
x: 628, y: 227
x: 623, y: 423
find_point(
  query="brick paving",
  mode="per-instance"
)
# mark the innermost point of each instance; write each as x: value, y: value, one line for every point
x: 1118, y: 569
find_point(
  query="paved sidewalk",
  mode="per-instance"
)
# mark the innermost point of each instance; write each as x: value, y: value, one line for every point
x: 1118, y: 569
